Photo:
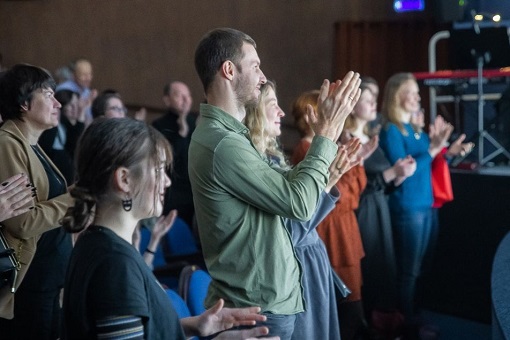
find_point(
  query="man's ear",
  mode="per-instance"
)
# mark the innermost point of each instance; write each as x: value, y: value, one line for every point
x: 228, y: 69
x: 24, y: 107
x: 122, y: 179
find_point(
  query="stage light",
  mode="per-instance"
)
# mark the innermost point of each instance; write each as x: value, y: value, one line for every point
x: 481, y: 16
x: 408, y: 5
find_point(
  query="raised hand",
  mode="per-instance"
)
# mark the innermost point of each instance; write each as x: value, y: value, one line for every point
x: 458, y: 148
x: 336, y: 101
x: 439, y: 132
x: 338, y: 167
x: 16, y: 196
x: 368, y: 148
x: 164, y: 224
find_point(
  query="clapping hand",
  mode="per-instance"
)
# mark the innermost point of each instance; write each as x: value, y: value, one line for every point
x: 458, y: 148
x: 345, y: 160
x: 164, y: 224
x: 336, y: 101
x: 16, y: 194
x: 405, y: 167
x: 439, y: 132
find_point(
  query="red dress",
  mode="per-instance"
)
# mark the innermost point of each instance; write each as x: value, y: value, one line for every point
x: 340, y: 230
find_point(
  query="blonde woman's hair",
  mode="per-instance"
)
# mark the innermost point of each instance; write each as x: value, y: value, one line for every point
x: 391, y: 109
x: 299, y: 110
x: 256, y: 121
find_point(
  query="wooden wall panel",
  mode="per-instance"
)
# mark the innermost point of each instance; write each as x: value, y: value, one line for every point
x: 383, y: 48
x: 137, y: 45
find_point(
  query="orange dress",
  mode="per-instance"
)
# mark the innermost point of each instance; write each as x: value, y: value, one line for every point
x: 340, y: 230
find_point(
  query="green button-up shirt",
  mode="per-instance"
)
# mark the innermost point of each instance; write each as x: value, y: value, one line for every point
x: 239, y: 201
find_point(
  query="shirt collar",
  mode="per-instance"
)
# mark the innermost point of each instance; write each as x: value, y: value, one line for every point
x: 215, y: 113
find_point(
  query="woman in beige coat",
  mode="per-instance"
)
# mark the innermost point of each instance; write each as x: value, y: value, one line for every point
x: 28, y: 107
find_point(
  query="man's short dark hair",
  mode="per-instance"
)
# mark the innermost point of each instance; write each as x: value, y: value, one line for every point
x: 216, y: 47
x: 17, y: 86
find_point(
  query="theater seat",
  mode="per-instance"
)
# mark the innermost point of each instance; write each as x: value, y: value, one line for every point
x: 178, y: 303
x: 193, y: 285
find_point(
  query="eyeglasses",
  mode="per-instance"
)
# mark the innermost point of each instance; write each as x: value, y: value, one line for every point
x: 118, y: 109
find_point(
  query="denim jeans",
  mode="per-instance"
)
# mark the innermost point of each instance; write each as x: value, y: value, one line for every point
x: 412, y: 234
x: 278, y: 324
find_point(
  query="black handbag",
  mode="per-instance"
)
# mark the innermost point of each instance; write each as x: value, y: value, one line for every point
x: 9, y: 265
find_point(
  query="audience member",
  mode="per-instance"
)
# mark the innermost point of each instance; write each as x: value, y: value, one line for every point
x: 239, y: 198
x: 442, y: 191
x: 42, y: 247
x: 108, y: 104
x: 60, y: 142
x: 320, y: 319
x: 339, y: 230
x: 81, y: 84
x: 378, y: 266
x: 109, y: 288
x: 177, y: 125
x: 410, y: 204
x: 373, y: 85
x: 16, y: 194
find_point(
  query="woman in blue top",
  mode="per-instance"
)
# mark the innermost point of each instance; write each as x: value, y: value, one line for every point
x: 411, y: 203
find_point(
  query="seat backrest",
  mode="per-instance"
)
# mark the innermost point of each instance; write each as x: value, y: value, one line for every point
x: 184, y: 278
x: 180, y: 239
x: 197, y: 291
x: 178, y: 303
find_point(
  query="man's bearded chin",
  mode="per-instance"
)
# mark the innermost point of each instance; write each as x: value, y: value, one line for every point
x: 252, y: 104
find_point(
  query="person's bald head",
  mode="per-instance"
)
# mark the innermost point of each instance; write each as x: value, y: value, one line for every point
x: 83, y: 73
x: 177, y: 96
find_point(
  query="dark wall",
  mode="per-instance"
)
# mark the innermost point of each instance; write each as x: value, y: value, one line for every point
x: 136, y: 45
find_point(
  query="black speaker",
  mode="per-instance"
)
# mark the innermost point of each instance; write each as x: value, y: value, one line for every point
x: 448, y: 10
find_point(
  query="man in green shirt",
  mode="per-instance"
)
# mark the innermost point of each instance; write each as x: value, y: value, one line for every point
x: 239, y: 198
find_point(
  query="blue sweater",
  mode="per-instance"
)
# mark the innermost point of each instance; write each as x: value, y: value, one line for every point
x: 416, y: 191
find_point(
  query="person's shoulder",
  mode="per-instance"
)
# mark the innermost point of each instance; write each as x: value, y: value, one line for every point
x: 10, y: 138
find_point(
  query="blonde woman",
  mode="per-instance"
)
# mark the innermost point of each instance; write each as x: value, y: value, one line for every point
x: 320, y: 320
x: 411, y: 203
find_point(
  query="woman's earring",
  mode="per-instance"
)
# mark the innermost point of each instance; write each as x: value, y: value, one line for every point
x: 127, y: 204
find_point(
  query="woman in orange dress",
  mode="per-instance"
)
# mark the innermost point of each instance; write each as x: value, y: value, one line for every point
x: 339, y: 230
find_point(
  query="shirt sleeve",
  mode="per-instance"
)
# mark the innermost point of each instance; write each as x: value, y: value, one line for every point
x: 243, y: 172
x: 300, y: 229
